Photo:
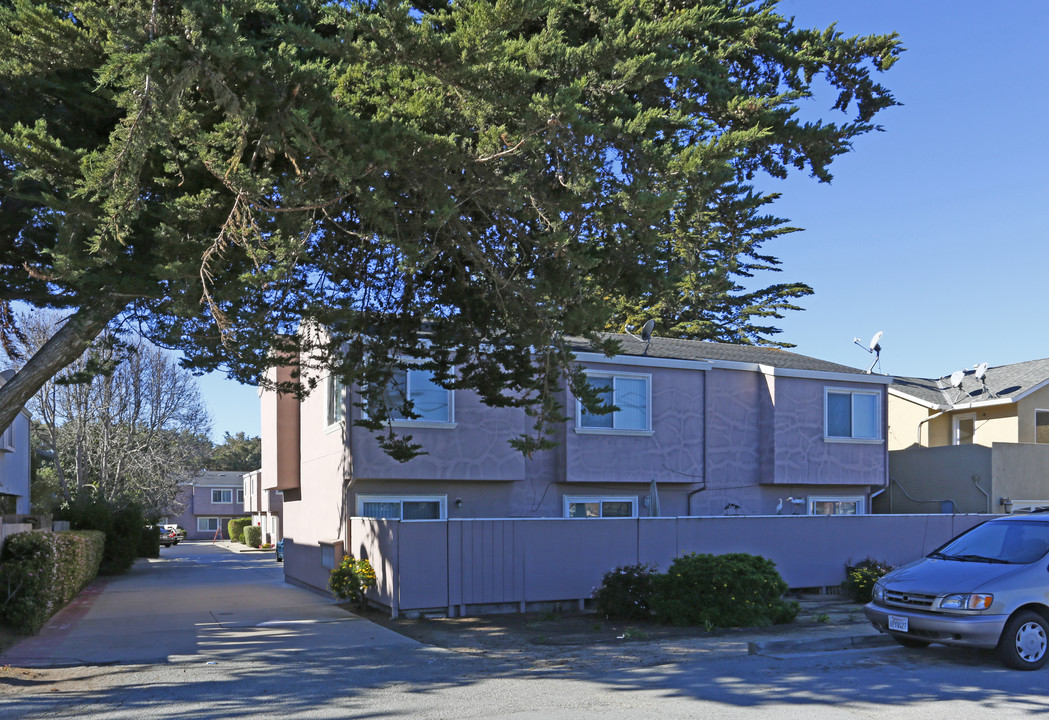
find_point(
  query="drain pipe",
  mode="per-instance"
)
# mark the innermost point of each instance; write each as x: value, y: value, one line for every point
x: 976, y: 482
x: 922, y: 422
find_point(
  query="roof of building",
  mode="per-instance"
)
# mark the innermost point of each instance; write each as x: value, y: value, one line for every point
x: 1002, y: 383
x: 698, y: 350
x: 218, y: 478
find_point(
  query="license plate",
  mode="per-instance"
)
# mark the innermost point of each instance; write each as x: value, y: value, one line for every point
x: 897, y: 623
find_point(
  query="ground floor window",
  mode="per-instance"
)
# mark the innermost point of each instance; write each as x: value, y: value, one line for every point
x: 600, y: 507
x: 837, y: 505
x: 403, y: 507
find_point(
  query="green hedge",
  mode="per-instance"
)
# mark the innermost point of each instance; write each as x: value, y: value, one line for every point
x: 122, y: 524
x: 253, y: 536
x: 236, y: 528
x: 40, y: 572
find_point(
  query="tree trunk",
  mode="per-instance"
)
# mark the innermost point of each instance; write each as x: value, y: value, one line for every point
x: 65, y: 346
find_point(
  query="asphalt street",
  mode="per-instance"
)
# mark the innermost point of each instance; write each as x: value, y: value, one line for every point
x: 203, y: 633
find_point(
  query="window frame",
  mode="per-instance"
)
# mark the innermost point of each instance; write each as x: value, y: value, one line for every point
x: 420, y: 422
x: 860, y: 500
x: 1036, y: 412
x: 613, y: 375
x: 956, y: 421
x: 568, y: 500
x: 207, y: 519
x: 852, y: 393
x: 7, y: 438
x: 334, y: 403
x: 442, y: 501
x: 222, y: 490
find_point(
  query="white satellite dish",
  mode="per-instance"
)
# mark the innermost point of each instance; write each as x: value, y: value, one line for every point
x: 981, y: 371
x: 875, y: 346
x: 956, y: 378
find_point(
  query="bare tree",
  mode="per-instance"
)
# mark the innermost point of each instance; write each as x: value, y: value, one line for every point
x: 124, y: 418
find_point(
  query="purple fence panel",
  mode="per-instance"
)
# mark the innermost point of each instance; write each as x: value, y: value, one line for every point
x: 565, y: 559
x: 422, y: 572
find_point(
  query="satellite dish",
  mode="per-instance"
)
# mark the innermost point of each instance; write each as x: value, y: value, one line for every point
x: 646, y: 331
x: 875, y: 346
x: 956, y: 378
x: 981, y: 371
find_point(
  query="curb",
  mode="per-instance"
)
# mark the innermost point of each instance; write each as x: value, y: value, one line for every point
x: 793, y: 647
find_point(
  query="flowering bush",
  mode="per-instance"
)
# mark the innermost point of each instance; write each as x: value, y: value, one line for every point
x: 733, y: 590
x: 860, y: 578
x: 40, y: 572
x: 625, y: 592
x: 351, y: 578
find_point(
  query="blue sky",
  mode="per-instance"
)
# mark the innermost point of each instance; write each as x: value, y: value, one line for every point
x: 932, y: 231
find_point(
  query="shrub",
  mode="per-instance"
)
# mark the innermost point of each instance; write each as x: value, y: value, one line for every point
x: 734, y: 590
x: 236, y: 528
x: 121, y: 522
x: 860, y: 578
x: 148, y: 545
x: 626, y: 592
x: 351, y: 578
x: 40, y: 572
x: 253, y: 536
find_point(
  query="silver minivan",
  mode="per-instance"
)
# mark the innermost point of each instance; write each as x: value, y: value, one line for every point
x: 986, y: 588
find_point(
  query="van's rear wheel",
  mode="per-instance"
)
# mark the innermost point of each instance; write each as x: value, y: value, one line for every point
x: 1025, y: 641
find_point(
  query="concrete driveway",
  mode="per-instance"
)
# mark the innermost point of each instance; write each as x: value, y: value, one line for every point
x: 197, y: 602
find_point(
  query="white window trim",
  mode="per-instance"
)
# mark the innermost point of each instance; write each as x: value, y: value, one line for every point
x: 860, y: 500
x: 222, y: 502
x: 851, y: 392
x: 448, y: 424
x: 207, y: 519
x: 441, y: 499
x: 956, y: 427
x: 340, y: 413
x: 7, y: 438
x: 570, y: 499
x: 644, y: 432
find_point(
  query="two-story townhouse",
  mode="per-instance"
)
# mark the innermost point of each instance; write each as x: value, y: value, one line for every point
x: 209, y: 501
x: 264, y: 505
x: 15, y: 463
x: 700, y: 429
x: 973, y: 441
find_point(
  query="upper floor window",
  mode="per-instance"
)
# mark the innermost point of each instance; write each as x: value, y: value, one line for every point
x: 1041, y: 426
x: 430, y: 402
x: 600, y: 507
x: 853, y: 414
x: 403, y: 507
x: 964, y: 427
x: 240, y: 496
x: 222, y: 496
x: 7, y: 439
x: 631, y: 396
x: 335, y: 401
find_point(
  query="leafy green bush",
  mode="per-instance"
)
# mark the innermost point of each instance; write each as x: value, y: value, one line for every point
x: 40, y: 572
x: 236, y: 528
x: 860, y: 578
x: 351, y: 578
x: 733, y: 590
x: 121, y: 522
x: 626, y: 592
x: 253, y: 536
x: 148, y: 544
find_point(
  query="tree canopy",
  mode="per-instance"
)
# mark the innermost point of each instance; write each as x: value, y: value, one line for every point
x: 463, y: 184
x: 236, y: 452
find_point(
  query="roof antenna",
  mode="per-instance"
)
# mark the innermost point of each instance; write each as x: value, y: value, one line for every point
x: 956, y: 381
x: 981, y: 375
x: 874, y: 347
x: 646, y: 334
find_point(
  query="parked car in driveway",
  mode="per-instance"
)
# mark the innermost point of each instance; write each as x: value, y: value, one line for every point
x: 176, y: 530
x: 986, y: 588
x: 167, y: 537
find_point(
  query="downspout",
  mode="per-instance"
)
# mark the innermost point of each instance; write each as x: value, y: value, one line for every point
x: 703, y: 445
x: 976, y: 482
x: 922, y: 422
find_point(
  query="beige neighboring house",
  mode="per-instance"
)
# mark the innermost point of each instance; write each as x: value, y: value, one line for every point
x: 973, y: 441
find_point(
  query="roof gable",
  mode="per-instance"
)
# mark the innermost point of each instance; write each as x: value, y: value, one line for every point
x: 1005, y: 383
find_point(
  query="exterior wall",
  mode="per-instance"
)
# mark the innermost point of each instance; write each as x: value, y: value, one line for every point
x: 995, y: 423
x: 462, y: 567
x: 1025, y: 411
x: 196, y: 501
x: 923, y: 479
x: 905, y: 426
x: 15, y: 465
x: 280, y: 433
x: 1020, y: 472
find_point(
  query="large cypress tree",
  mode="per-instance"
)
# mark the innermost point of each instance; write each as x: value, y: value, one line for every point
x: 492, y: 176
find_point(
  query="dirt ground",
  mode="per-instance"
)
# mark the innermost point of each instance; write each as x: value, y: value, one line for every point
x: 574, y: 638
